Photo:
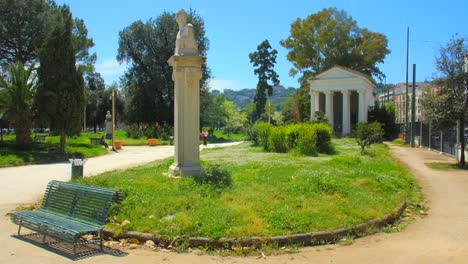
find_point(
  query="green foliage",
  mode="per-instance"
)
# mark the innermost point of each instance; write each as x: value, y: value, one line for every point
x: 25, y: 27
x: 323, y: 135
x: 150, y: 131
x: 297, y: 108
x: 368, y: 133
x: 385, y: 114
x: 98, y: 103
x: 216, y: 175
x: 320, y: 117
x: 148, y: 85
x: 277, y: 140
x: 307, y: 144
x: 16, y: 100
x: 60, y: 97
x: 307, y: 138
x: 264, y: 62
x: 331, y: 37
x: 450, y: 104
x: 235, y: 121
x: 263, y: 134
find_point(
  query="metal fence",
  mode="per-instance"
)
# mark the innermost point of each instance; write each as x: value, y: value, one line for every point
x: 440, y: 141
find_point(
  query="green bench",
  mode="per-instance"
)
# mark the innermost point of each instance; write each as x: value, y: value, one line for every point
x: 70, y: 211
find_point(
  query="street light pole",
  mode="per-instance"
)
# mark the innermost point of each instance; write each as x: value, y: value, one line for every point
x: 113, y: 119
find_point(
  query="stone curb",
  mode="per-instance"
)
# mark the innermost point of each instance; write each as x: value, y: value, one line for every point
x: 307, y: 239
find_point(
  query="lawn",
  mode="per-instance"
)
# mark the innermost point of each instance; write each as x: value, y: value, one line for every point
x: 270, y: 193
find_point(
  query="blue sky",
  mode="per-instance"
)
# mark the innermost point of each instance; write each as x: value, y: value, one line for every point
x: 235, y: 28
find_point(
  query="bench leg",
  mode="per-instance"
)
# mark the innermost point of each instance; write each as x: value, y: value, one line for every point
x: 74, y: 246
x: 100, y: 237
x: 19, y: 228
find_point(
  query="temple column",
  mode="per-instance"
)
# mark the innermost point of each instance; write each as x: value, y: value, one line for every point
x: 362, y: 109
x: 329, y: 106
x: 346, y: 125
x: 314, y: 103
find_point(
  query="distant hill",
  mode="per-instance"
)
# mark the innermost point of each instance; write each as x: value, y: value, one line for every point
x: 245, y: 96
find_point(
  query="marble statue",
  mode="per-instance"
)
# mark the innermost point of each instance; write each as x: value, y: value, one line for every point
x: 108, y: 125
x: 186, y: 43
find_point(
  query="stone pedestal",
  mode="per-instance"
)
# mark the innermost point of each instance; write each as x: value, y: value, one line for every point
x: 186, y: 76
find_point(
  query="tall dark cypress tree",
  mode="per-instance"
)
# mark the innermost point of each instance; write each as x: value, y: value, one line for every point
x: 264, y: 60
x: 60, y: 98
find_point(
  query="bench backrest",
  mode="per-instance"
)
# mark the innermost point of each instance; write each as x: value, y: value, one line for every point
x: 82, y: 203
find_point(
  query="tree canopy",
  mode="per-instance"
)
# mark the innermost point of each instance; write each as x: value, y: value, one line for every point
x: 148, y: 83
x: 24, y: 26
x: 332, y: 37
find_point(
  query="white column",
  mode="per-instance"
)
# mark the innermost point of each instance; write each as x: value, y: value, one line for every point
x: 186, y: 75
x: 312, y: 104
x: 329, y: 106
x: 362, y: 109
x: 346, y: 126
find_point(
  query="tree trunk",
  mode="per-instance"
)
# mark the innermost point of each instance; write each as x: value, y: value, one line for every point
x: 63, y: 139
x: 23, y: 133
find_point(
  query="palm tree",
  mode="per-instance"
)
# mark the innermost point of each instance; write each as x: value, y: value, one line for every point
x: 16, y: 100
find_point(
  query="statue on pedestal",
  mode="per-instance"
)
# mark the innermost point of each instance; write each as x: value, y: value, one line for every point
x: 108, y: 125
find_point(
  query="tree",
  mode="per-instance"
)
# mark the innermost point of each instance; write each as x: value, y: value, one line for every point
x: 385, y: 114
x: 368, y: 133
x: 215, y: 116
x: 450, y: 105
x: 25, y: 24
x: 235, y: 120
x: 16, y: 100
x: 148, y: 84
x: 264, y: 59
x: 60, y: 97
x: 331, y: 37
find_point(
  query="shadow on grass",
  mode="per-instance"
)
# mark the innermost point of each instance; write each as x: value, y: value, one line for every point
x: 66, y: 249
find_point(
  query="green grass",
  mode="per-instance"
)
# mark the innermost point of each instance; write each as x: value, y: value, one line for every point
x: 398, y: 141
x: 218, y: 136
x: 445, y: 166
x: 271, y: 193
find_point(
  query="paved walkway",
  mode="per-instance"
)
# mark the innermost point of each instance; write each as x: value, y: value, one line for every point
x: 440, y: 237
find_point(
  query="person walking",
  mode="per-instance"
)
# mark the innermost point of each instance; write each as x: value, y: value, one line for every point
x: 204, y: 137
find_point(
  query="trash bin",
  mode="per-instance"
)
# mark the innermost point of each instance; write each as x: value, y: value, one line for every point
x: 76, y: 168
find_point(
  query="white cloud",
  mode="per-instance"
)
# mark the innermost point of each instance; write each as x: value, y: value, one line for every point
x: 110, y: 68
x: 224, y: 84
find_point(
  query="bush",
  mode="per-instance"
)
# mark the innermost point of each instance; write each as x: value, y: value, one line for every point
x: 215, y: 175
x: 368, y: 133
x: 277, y: 140
x: 307, y: 144
x: 264, y: 130
x: 323, y: 134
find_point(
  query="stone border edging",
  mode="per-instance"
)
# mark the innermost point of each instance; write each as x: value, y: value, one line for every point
x: 307, y: 239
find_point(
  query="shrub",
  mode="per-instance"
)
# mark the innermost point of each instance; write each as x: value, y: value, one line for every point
x: 215, y: 175
x: 307, y: 144
x: 278, y: 140
x: 323, y: 134
x: 368, y: 133
x: 264, y: 130
x: 252, y: 131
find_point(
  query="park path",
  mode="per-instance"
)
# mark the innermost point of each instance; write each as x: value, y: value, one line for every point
x: 439, y: 237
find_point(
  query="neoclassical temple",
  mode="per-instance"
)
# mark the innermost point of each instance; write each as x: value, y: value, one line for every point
x: 344, y: 95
